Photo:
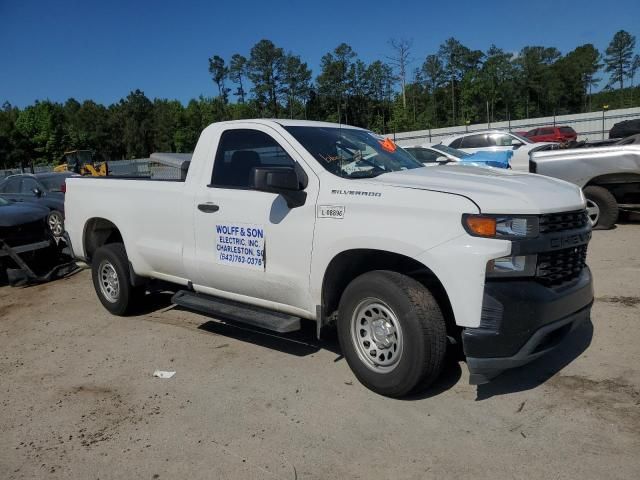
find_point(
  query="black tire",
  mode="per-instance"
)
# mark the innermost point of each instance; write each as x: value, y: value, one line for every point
x: 422, y: 327
x: 114, y: 256
x: 606, y: 203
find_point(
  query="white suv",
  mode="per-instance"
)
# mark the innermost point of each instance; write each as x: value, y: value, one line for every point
x: 496, y: 141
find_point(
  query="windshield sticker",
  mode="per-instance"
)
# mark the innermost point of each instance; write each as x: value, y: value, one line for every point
x: 331, y: 211
x: 240, y: 245
x: 388, y: 145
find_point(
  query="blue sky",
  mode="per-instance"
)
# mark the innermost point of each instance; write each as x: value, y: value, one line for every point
x: 101, y: 50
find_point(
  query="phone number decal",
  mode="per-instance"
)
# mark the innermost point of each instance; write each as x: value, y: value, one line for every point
x: 240, y: 245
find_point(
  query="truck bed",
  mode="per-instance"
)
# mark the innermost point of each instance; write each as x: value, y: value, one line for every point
x: 159, y: 166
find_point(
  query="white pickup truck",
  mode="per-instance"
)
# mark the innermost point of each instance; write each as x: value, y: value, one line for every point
x: 282, y: 220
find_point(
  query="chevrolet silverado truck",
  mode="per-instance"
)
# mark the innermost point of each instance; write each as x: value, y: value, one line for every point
x: 281, y: 220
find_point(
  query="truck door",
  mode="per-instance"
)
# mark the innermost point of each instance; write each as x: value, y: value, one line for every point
x: 249, y: 242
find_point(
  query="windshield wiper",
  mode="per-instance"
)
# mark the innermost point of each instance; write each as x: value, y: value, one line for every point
x: 365, y: 174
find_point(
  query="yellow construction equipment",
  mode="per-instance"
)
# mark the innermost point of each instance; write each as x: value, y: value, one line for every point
x: 81, y: 161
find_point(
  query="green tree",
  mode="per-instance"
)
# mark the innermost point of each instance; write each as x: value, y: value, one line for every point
x: 619, y: 57
x: 378, y: 87
x: 135, y: 114
x: 238, y: 71
x: 334, y: 79
x: 457, y: 60
x: 296, y: 79
x: 219, y: 73
x: 434, y: 78
x: 533, y: 64
x: 14, y: 147
x: 401, y: 59
x: 265, y: 69
x: 87, y: 127
x: 496, y: 79
x: 635, y: 66
x: 43, y: 125
x: 167, y: 119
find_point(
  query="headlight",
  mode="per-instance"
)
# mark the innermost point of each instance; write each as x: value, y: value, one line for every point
x: 512, y: 266
x: 501, y: 226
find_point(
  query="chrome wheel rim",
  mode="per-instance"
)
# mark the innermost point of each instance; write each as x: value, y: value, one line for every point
x: 109, y: 283
x: 56, y: 224
x: 377, y: 335
x: 593, y: 211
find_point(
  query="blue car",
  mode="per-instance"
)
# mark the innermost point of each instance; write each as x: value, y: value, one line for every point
x: 440, y: 154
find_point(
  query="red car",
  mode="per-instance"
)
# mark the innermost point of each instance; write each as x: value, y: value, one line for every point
x: 552, y: 134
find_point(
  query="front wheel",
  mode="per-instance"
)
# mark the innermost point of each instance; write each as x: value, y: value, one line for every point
x: 111, y: 279
x: 391, y: 332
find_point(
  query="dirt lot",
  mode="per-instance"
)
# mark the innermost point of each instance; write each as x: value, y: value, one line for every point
x: 78, y: 399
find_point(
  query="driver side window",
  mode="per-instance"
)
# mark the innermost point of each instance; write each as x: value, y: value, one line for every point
x: 240, y: 151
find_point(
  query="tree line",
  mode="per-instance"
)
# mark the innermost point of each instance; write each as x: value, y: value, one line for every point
x: 452, y: 86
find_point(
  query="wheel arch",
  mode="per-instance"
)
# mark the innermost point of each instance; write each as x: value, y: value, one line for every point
x: 97, y: 232
x: 349, y: 264
x: 613, y: 179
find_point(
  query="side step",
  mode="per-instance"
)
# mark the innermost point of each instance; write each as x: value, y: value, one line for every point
x: 237, y: 312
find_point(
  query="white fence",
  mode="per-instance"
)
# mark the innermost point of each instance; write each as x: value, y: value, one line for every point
x: 590, y: 126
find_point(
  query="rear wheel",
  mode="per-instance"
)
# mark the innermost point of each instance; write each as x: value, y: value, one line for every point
x: 602, y: 207
x: 111, y: 279
x: 392, y: 332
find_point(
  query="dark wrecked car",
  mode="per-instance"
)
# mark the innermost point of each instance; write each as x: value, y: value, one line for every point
x: 44, y: 189
x: 23, y: 232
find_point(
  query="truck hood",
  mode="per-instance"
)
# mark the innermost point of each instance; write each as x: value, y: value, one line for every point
x: 493, y: 190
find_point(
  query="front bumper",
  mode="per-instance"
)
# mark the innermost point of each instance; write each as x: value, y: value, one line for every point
x: 521, y: 321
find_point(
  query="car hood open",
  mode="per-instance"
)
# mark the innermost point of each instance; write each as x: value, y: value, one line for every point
x: 493, y: 190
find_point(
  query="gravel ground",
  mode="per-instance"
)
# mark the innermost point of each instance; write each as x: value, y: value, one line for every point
x: 78, y: 399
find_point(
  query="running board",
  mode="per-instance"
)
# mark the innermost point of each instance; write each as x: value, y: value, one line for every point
x: 237, y: 312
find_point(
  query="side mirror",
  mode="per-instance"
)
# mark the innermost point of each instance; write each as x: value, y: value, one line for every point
x: 516, y: 144
x: 281, y: 180
x: 442, y: 160
x: 37, y: 192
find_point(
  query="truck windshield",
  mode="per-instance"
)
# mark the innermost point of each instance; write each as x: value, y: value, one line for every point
x: 351, y: 153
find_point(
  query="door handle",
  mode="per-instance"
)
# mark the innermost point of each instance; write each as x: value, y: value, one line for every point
x: 208, y: 207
